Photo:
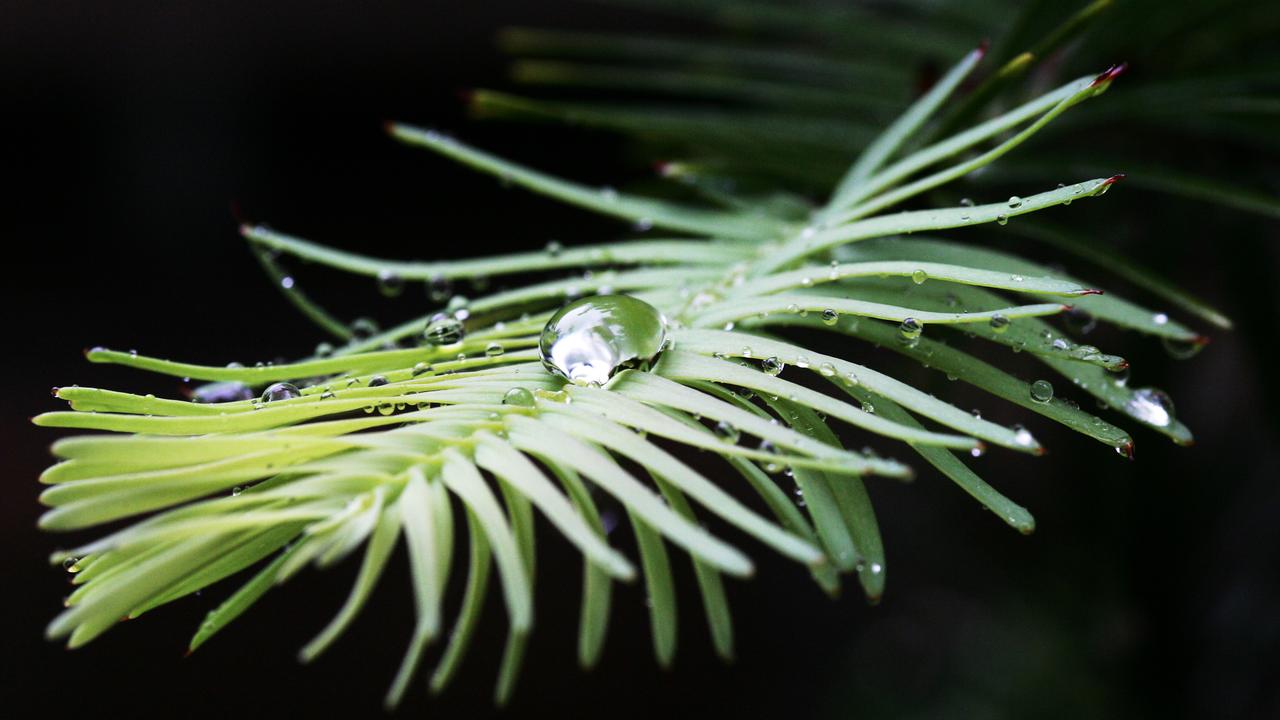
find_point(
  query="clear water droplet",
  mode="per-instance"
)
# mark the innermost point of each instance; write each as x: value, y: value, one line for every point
x: 1180, y: 349
x: 421, y: 368
x: 443, y: 329
x: 919, y: 276
x: 1022, y: 436
x: 494, y: 349
x: 439, y: 288
x: 727, y: 432
x: 772, y: 366
x: 1015, y: 202
x: 71, y: 564
x: 826, y: 369
x: 1041, y: 391
x: 1151, y: 405
x: 1160, y: 319
x: 390, y: 284
x: 966, y: 202
x: 1002, y: 219
x: 910, y: 330
x: 999, y: 323
x: 554, y: 248
x: 830, y: 317
x: 519, y: 397
x: 280, y: 391
x: 377, y: 381
x: 589, y: 340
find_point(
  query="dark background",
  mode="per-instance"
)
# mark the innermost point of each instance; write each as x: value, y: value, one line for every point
x: 1149, y: 589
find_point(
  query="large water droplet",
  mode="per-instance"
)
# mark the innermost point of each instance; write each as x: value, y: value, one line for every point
x: 772, y: 365
x: 280, y: 391
x: 590, y: 340
x: 1151, y: 405
x: 830, y: 317
x: 910, y: 331
x: 999, y: 323
x: 1041, y: 391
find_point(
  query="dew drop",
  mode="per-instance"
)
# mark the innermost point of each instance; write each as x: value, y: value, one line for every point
x: 280, y: 391
x: 1041, y: 391
x: 71, y: 564
x: 589, y: 340
x: 999, y: 323
x: 919, y: 276
x: 727, y: 432
x: 1002, y: 219
x: 443, y: 329
x: 390, y: 284
x: 554, y: 248
x: 772, y: 366
x: 377, y: 381
x: 420, y: 369
x: 439, y: 288
x: 910, y: 330
x: 966, y: 202
x: 494, y: 349
x: 519, y: 397
x: 363, y: 328
x: 1151, y: 405
x: 1015, y: 202
x: 1180, y: 349
x: 830, y: 317
x: 826, y: 369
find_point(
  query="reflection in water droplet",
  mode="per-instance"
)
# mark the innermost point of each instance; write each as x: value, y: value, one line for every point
x: 220, y: 392
x: 390, y: 284
x: 280, y: 391
x: 1181, y: 349
x: 830, y: 317
x: 363, y: 328
x: 589, y: 340
x: 439, y: 288
x: 71, y: 564
x: 1151, y: 405
x: 494, y: 349
x: 999, y: 323
x: 910, y: 331
x: 919, y: 276
x: 443, y: 329
x: 727, y: 432
x: 520, y: 397
x: 772, y: 366
x: 1041, y: 391
x: 377, y: 381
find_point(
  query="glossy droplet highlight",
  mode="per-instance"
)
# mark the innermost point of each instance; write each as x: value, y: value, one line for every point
x: 919, y: 276
x: 999, y: 323
x: 280, y: 391
x: 589, y: 340
x: 1151, y: 405
x: 910, y: 330
x: 1041, y: 391
x: 772, y: 366
x: 519, y: 397
x: 830, y: 317
x: 390, y: 284
x: 443, y: 329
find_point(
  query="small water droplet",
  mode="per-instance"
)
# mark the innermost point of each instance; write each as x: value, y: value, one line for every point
x: 1015, y: 202
x: 999, y: 323
x: 280, y: 391
x: 554, y: 248
x: 772, y: 365
x: 1180, y: 349
x: 1160, y: 319
x: 830, y: 317
x: 421, y: 368
x: 439, y: 288
x: 826, y: 369
x: 727, y: 432
x: 1041, y: 391
x: 494, y: 349
x: 519, y: 397
x: 443, y: 329
x: 377, y: 381
x: 1022, y: 436
x: 919, y: 276
x: 589, y: 340
x: 1002, y: 219
x: 966, y: 202
x: 390, y: 283
x: 363, y: 328
x: 910, y: 330
x: 71, y: 564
